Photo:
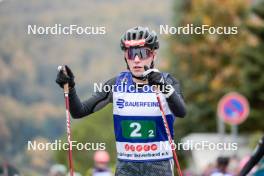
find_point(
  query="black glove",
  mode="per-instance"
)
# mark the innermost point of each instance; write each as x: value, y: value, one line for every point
x: 156, y: 78
x: 62, y: 78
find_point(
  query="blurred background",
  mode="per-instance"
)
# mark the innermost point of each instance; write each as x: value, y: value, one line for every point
x: 208, y: 66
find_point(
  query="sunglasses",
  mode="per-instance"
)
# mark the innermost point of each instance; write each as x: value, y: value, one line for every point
x: 142, y: 53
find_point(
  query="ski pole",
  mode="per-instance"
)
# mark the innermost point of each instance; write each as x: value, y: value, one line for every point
x: 175, y: 158
x: 68, y: 119
x: 255, y: 158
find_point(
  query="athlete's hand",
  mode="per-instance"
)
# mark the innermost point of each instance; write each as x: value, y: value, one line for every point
x: 62, y: 78
x: 156, y: 78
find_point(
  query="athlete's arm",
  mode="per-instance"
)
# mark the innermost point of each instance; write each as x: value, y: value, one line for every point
x: 175, y: 100
x: 96, y: 102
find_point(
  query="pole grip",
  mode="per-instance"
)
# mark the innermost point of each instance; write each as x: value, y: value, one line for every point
x: 65, y: 86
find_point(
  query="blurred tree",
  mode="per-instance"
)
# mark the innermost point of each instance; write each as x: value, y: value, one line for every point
x: 252, y: 72
x: 206, y: 63
x: 38, y: 157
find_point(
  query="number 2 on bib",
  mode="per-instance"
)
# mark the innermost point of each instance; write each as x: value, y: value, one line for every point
x: 140, y: 129
x: 136, y: 129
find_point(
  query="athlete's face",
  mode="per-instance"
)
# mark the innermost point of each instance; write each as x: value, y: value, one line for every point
x: 136, y: 62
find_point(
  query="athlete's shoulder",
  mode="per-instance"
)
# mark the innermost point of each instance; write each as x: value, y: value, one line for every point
x: 111, y: 81
x: 169, y: 78
x: 121, y: 75
x: 124, y: 77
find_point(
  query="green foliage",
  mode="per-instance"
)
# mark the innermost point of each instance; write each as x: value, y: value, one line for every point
x: 206, y: 64
x: 252, y: 76
x: 211, y: 65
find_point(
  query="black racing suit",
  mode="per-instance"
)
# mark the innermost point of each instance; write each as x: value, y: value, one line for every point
x: 98, y: 100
